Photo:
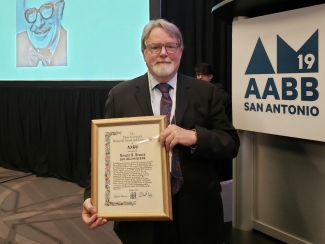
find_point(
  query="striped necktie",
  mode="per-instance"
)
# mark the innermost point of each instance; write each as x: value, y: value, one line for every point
x: 165, y: 108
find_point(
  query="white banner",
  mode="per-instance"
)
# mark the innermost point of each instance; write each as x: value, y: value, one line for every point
x: 278, y: 73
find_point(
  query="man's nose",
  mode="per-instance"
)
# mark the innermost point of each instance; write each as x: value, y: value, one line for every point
x: 163, y: 51
x: 39, y: 20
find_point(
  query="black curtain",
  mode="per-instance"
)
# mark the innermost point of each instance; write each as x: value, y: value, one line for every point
x: 46, y: 130
x: 206, y: 39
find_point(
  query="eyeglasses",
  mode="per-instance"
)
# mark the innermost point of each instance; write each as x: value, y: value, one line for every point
x: 46, y: 11
x: 156, y: 47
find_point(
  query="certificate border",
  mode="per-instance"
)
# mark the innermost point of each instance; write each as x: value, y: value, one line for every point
x: 166, y: 213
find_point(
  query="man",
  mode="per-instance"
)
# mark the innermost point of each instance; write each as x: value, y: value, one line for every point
x: 44, y: 43
x: 203, y: 71
x: 202, y: 131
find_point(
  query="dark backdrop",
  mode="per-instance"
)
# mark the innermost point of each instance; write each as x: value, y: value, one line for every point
x: 206, y: 39
x: 45, y: 126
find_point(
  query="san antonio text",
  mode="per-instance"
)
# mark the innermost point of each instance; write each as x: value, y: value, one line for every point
x: 282, y: 108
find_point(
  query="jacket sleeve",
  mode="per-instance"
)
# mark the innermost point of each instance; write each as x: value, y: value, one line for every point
x: 219, y: 139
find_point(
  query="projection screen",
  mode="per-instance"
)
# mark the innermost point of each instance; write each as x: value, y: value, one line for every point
x: 97, y: 40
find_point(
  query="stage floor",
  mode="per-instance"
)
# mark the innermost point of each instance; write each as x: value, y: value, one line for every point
x: 47, y: 210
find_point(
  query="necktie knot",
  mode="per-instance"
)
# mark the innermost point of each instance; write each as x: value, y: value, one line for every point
x: 163, y: 87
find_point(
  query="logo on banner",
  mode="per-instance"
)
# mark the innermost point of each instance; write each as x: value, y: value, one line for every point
x: 289, y: 61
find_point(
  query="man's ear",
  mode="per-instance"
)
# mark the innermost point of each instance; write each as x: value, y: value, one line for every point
x: 144, y: 55
x: 210, y: 77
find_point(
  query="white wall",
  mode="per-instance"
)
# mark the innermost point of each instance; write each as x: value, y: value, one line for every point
x: 288, y: 188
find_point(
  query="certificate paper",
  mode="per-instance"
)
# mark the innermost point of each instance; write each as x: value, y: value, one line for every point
x: 129, y: 169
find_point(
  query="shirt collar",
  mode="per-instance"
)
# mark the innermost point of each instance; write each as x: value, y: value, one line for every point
x: 154, y: 82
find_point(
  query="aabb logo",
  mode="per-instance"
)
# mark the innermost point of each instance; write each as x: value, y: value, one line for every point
x: 289, y: 61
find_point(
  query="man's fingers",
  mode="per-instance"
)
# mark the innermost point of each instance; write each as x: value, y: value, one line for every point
x: 170, y: 142
x: 89, y: 219
x: 92, y: 220
x: 89, y: 207
x: 173, y: 143
x: 89, y: 215
x: 165, y: 136
x: 98, y: 222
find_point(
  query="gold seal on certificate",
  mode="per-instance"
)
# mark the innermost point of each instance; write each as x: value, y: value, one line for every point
x: 129, y: 169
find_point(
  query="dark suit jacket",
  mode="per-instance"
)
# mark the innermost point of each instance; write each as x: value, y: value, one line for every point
x: 223, y: 93
x: 198, y: 107
x: 23, y: 44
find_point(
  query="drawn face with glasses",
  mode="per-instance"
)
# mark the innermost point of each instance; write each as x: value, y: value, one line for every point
x: 43, y: 19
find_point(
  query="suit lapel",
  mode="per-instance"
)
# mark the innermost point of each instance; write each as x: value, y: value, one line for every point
x: 183, y: 97
x: 143, y: 96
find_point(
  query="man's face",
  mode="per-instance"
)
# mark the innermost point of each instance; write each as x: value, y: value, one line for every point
x: 207, y: 78
x: 163, y: 65
x: 43, y: 31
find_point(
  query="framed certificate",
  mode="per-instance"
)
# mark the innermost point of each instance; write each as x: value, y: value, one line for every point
x: 129, y: 169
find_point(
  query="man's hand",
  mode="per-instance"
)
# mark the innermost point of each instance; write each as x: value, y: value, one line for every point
x: 89, y: 215
x: 174, y: 135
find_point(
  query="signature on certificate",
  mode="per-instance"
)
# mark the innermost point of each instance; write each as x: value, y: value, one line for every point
x: 145, y: 194
x: 118, y: 196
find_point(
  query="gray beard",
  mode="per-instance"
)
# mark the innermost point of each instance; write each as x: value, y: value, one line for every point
x: 163, y: 70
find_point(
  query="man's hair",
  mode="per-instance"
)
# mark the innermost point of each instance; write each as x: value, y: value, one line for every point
x: 204, y: 69
x: 167, y: 26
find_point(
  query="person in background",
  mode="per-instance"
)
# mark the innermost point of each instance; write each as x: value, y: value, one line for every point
x: 44, y: 43
x: 201, y: 131
x: 203, y: 71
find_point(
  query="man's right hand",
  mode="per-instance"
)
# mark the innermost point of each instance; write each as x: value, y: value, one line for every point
x: 89, y: 215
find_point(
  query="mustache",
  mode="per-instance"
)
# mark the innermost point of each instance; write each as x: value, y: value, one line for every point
x: 41, y: 30
x: 163, y: 60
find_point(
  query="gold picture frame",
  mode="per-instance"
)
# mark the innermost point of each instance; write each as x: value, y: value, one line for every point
x: 130, y: 171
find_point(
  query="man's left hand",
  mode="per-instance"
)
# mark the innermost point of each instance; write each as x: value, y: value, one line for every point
x: 174, y: 135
